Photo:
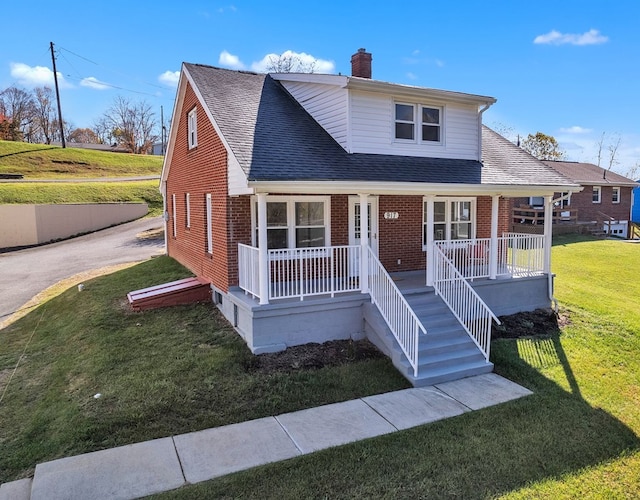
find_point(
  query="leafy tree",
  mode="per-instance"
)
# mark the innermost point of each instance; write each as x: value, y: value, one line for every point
x: 543, y: 147
x: 131, y: 124
x: 84, y: 136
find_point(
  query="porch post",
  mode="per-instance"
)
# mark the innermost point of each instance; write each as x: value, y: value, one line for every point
x: 263, y: 255
x: 493, y: 249
x: 548, y: 232
x: 364, y: 243
x: 430, y: 246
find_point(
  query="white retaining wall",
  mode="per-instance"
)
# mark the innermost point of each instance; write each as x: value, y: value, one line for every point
x: 24, y: 225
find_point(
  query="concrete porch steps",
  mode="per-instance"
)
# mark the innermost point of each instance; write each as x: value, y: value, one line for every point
x: 446, y: 352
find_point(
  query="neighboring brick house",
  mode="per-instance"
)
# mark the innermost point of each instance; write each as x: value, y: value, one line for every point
x: 270, y: 181
x: 605, y: 192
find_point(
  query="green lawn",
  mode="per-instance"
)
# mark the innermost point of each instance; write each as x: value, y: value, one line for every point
x: 181, y: 369
x: 41, y: 161
x: 160, y: 373
x: 83, y: 192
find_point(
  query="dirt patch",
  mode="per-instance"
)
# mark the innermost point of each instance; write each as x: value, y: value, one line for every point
x: 314, y: 356
x: 538, y: 323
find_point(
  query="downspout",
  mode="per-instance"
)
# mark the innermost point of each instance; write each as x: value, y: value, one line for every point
x: 165, y: 214
x: 480, y: 112
x: 550, y: 275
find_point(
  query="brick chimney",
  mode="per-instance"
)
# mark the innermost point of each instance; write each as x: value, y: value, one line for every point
x: 361, y: 64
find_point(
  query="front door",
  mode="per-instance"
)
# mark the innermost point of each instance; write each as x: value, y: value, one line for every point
x: 354, y: 222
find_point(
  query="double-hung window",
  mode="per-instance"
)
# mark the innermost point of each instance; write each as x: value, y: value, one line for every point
x: 615, y: 195
x: 295, y: 222
x: 596, y: 194
x: 453, y: 219
x: 192, y: 128
x: 413, y: 121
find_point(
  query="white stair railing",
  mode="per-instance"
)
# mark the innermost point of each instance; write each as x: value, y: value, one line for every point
x: 463, y: 301
x: 396, y: 311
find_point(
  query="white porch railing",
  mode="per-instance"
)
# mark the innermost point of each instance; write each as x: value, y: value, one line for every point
x: 248, y: 270
x: 463, y: 301
x: 302, y: 272
x: 517, y: 255
x: 402, y: 321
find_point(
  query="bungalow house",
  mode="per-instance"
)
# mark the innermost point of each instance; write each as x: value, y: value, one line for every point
x: 327, y: 207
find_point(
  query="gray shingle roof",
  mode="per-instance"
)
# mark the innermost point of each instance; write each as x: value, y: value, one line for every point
x: 588, y: 173
x: 275, y: 139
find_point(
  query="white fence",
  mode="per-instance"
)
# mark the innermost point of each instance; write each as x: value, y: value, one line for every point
x: 402, y: 321
x: 248, y: 270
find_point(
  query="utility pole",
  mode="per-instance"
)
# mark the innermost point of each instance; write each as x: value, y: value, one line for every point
x: 162, y: 130
x: 55, y: 79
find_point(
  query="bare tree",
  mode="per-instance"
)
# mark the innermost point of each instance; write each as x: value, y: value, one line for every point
x: 103, y: 131
x: 132, y: 125
x: 611, y: 147
x: 543, y: 147
x: 290, y: 63
x: 18, y: 106
x: 44, y: 116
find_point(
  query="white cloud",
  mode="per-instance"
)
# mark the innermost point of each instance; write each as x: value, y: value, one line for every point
x: 35, y: 76
x: 228, y: 60
x: 439, y: 63
x: 170, y: 78
x: 305, y: 61
x: 591, y: 37
x: 576, y: 129
x: 412, y: 76
x: 94, y: 83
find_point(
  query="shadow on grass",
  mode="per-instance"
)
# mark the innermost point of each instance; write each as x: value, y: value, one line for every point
x: 28, y: 151
x: 481, y: 454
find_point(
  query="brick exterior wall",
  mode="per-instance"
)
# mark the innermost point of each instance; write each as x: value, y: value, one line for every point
x: 199, y: 171
x: 401, y: 238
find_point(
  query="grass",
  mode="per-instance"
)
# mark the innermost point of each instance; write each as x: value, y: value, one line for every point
x: 159, y: 373
x: 575, y: 437
x: 41, y: 161
x: 83, y: 192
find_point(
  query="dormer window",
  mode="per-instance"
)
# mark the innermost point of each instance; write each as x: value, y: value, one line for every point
x: 405, y: 121
x: 430, y: 123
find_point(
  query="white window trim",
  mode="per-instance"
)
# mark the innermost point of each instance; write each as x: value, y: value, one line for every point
x: 291, y: 215
x: 599, y: 189
x: 417, y: 124
x: 414, y: 123
x: 192, y: 128
x: 447, y: 201
x: 173, y: 215
x: 187, y: 203
x: 208, y: 207
x: 615, y: 189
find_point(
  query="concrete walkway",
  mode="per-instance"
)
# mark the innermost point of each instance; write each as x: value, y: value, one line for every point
x: 151, y: 467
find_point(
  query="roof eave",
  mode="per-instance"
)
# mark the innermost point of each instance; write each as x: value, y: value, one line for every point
x: 419, y: 92
x: 407, y: 188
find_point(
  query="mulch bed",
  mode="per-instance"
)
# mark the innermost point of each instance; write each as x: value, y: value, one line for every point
x: 538, y: 323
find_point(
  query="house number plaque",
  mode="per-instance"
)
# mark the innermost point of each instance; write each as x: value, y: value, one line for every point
x: 391, y: 215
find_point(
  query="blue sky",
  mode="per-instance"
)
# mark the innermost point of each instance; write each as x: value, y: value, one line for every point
x: 567, y: 68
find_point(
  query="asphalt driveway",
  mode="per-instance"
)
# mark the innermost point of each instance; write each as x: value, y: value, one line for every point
x: 25, y: 273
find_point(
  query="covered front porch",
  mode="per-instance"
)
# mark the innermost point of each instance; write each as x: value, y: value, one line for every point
x: 336, y: 281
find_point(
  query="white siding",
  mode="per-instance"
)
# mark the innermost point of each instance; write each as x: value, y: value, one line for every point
x: 372, y: 128
x: 327, y: 104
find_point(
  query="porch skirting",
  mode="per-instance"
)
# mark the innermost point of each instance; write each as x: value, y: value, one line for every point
x: 284, y: 323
